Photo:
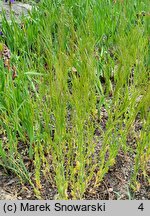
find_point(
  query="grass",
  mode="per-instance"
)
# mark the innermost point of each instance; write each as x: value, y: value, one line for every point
x: 72, y: 58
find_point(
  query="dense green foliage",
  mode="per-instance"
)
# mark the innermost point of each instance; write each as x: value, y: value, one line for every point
x: 73, y: 58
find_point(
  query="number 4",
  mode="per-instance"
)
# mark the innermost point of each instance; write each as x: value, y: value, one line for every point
x: 141, y: 207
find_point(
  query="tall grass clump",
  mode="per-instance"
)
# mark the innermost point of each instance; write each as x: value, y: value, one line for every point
x: 74, y: 58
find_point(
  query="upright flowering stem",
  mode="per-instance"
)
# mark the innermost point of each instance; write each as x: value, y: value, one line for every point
x: 10, y: 2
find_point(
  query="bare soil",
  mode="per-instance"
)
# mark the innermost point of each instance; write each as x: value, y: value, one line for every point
x: 114, y: 186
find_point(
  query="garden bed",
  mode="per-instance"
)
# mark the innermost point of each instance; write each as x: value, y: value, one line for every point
x: 75, y: 101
